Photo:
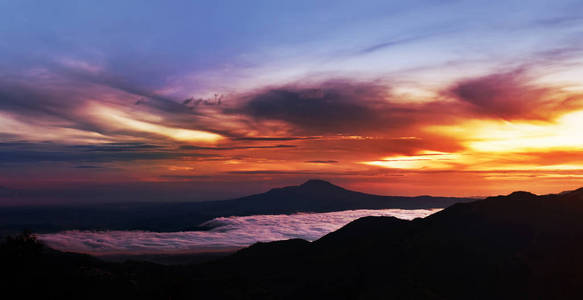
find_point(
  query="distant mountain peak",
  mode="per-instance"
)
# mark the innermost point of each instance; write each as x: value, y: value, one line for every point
x: 310, y: 186
x: 522, y: 194
x: 317, y: 183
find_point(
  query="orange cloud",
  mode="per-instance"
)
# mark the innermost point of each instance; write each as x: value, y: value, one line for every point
x: 121, y: 120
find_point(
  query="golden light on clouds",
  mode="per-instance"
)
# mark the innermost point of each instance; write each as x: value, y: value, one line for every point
x: 120, y: 119
x: 565, y: 133
x: 424, y: 160
x: 498, y: 145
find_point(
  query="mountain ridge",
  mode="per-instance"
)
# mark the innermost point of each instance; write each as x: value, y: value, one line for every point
x: 520, y: 245
x: 314, y: 195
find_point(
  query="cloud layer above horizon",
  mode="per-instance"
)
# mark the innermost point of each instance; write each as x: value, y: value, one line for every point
x: 378, y: 96
x: 227, y: 233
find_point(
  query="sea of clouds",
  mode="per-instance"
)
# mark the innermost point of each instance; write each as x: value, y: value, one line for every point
x: 227, y: 233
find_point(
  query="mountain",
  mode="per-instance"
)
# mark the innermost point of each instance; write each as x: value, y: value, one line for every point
x: 517, y: 246
x: 312, y: 196
x: 322, y: 196
x: 507, y: 247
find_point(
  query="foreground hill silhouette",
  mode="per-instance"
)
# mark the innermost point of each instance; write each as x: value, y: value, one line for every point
x: 517, y: 246
x: 312, y: 196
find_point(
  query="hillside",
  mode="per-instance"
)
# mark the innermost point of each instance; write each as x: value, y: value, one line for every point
x: 517, y: 246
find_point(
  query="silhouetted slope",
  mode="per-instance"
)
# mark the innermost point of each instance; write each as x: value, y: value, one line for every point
x: 33, y: 271
x: 312, y: 196
x: 520, y: 246
x: 322, y: 196
x: 516, y: 246
x: 365, y: 230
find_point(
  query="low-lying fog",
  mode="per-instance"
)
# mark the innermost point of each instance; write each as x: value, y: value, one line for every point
x: 227, y: 233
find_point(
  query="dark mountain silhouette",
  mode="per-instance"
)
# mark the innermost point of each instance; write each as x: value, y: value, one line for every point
x: 312, y: 196
x: 322, y: 196
x: 507, y: 247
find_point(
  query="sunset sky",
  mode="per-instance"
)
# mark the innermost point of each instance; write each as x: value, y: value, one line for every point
x: 213, y: 99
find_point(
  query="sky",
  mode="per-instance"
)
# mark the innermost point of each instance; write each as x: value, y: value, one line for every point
x: 106, y: 101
